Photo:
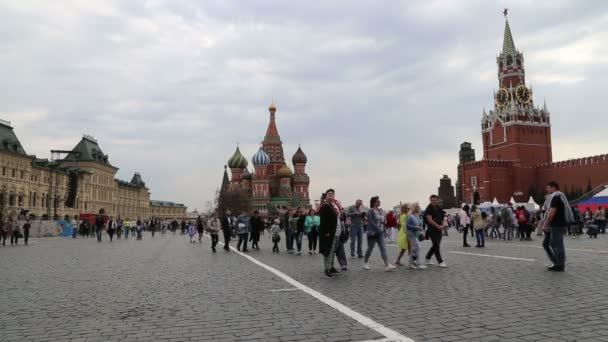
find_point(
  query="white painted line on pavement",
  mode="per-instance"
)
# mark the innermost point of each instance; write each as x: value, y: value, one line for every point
x: 541, y: 247
x: 285, y: 290
x: 390, y: 334
x: 493, y: 256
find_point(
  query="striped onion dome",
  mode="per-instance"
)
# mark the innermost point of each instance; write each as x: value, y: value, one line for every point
x: 260, y: 158
x: 237, y: 161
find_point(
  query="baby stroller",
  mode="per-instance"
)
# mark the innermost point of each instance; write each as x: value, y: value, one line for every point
x: 592, y: 229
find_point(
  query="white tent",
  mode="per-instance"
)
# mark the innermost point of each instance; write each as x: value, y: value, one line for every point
x: 531, y: 201
x: 512, y: 200
x: 495, y: 202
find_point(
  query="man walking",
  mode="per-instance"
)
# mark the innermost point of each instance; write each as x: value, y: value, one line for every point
x: 26, y: 231
x: 600, y: 218
x: 243, y: 227
x: 99, y: 223
x: 434, y: 216
x: 228, y: 222
x: 356, y: 214
x: 554, y: 225
x: 507, y: 221
x: 15, y: 232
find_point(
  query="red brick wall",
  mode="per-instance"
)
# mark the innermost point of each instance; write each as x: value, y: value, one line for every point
x: 494, y: 179
x: 530, y: 145
x: 577, y: 173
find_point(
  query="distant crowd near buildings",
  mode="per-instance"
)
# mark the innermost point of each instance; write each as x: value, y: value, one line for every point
x: 517, y: 152
x: 71, y: 183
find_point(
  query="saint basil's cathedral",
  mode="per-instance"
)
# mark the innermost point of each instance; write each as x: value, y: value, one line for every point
x: 271, y: 183
x: 517, y: 153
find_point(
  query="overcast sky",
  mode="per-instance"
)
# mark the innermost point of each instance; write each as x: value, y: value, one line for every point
x: 379, y: 93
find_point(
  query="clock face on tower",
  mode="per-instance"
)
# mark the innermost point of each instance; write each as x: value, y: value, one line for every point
x: 502, y: 97
x: 523, y: 94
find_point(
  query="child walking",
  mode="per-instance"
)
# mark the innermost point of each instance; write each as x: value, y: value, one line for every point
x: 275, y: 235
x: 191, y: 233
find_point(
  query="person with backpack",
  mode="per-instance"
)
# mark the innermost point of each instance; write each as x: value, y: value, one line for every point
x: 507, y: 221
x: 554, y: 225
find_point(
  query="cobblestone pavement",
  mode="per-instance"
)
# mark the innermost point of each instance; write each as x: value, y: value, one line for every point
x: 165, y: 289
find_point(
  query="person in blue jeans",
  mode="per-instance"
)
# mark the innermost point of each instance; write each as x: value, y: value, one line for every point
x: 356, y: 214
x: 375, y: 234
x: 559, y: 215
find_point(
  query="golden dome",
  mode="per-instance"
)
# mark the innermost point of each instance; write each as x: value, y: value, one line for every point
x: 272, y: 107
x: 284, y: 172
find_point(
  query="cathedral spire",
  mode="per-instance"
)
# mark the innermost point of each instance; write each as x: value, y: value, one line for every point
x: 272, y: 133
x: 225, y: 180
x: 508, y: 45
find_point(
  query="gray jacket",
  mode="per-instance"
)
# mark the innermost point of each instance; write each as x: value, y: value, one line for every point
x: 356, y: 215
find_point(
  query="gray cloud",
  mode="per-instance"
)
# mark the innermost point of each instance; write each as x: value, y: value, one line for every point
x: 380, y: 94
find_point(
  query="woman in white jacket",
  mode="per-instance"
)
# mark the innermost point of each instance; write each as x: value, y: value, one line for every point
x: 465, y: 223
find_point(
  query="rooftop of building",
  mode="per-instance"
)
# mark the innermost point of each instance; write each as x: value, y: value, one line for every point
x: 168, y: 204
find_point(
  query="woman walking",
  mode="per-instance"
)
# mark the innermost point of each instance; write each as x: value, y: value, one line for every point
x: 275, y: 235
x: 311, y: 229
x: 478, y: 225
x: 375, y: 234
x: 213, y: 227
x: 257, y: 226
x: 465, y: 223
x: 402, y: 239
x: 414, y: 232
x: 111, y: 227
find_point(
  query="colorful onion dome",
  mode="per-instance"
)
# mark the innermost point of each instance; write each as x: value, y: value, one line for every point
x: 260, y: 158
x: 246, y: 175
x: 237, y: 161
x: 299, y: 157
x: 284, y: 172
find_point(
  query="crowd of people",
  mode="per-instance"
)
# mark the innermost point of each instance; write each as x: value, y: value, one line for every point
x: 329, y: 226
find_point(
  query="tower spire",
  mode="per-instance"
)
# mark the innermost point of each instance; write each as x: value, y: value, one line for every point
x: 508, y: 45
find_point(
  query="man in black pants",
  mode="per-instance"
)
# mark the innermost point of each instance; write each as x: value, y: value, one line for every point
x: 227, y: 225
x: 434, y: 216
x: 99, y: 223
x: 466, y: 211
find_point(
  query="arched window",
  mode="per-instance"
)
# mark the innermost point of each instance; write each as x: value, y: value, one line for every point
x: 509, y: 61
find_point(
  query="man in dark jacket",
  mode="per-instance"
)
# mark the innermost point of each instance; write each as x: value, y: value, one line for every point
x: 99, y: 223
x: 329, y: 231
x: 228, y: 222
